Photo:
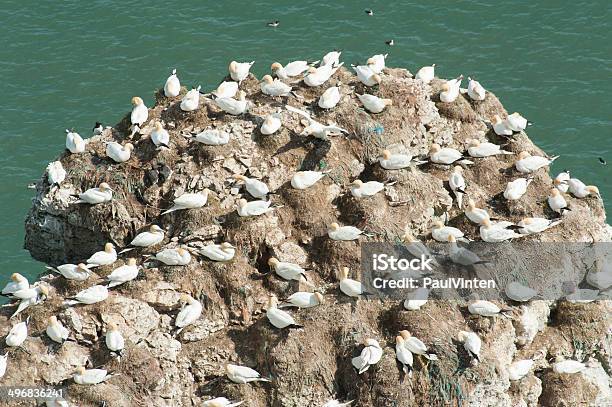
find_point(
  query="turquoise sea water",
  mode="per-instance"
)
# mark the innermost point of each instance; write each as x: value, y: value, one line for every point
x: 68, y: 64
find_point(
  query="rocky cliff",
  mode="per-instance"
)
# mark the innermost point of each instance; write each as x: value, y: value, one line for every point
x: 310, y: 365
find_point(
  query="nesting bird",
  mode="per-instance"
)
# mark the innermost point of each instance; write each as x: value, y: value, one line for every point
x: 103, y: 257
x: 350, y: 287
x: 527, y: 163
x: 94, y: 196
x: 88, y: 296
x: 330, y: 98
x: 367, y: 76
x: 291, y: 70
x: 475, y: 90
x: 457, y: 185
x: 240, y: 70
x: 56, y: 331
x: 517, y: 188
x: 255, y: 187
x: 441, y: 232
x: 337, y: 232
x: 478, y: 149
x: 377, y: 62
x: 189, y: 313
x: 426, y: 73
x: 370, y: 355
x: 374, y: 104
x: 253, y: 208
x: 84, y: 376
x: 76, y: 272
x: 140, y: 112
x: 472, y: 344
x: 160, y: 136
x: 271, y: 124
x: 189, y: 201
x: 154, y: 235
x: 123, y: 274
x: 56, y: 174
x: 277, y: 317
x: 218, y: 252
x: 212, y: 137
x: 274, y: 87
x: 360, y: 189
x: 172, y: 87
x: 305, y: 179
x: 233, y: 106
x: 174, y: 257
x: 450, y: 90
x: 318, y: 76
x: 314, y: 128
x: 243, y: 374
x: 117, y: 152
x: 288, y: 271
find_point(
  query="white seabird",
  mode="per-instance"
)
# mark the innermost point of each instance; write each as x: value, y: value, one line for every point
x: 191, y: 100
x: 140, y: 113
x: 561, y: 181
x: 76, y: 272
x: 103, y: 257
x: 174, y: 257
x: 601, y: 276
x: 277, y: 317
x: 457, y: 185
x: 17, y: 335
x: 3, y: 363
x: 218, y: 252
x: 221, y: 402
x: 90, y: 376
x: 474, y: 214
x: 415, y: 247
x: 330, y: 98
x: 446, y: 155
x: 288, y: 271
x: 154, y: 235
x: 536, y: 225
x: 580, y: 190
x: 17, y: 283
x: 416, y: 299
x: 336, y: 403
x: 303, y: 299
x: 461, y: 255
x: 189, y: 313
x: 472, y: 344
x: 274, y: 87
x: 123, y: 274
x: 517, y: 123
x: 374, y: 104
x: 348, y: 286
x: 240, y: 70
x: 91, y: 295
x: 500, y: 127
x: 56, y: 174
x: 518, y: 292
x: 337, y: 232
x: 496, y: 232
x: 370, y: 355
x: 394, y: 161
x: 331, y: 58
x: 114, y: 339
x: 483, y: 308
x: 56, y: 331
x: 360, y: 189
x: 314, y: 128
x: 117, y: 152
x: 426, y: 73
x: 189, y: 201
x: 478, y: 149
x: 367, y: 76
x: 292, y: 69
x: 440, y: 232
x: 253, y: 208
x: 557, y: 202
x: 377, y: 62
x: 212, y: 137
x: 475, y: 90
x: 226, y: 89
x: 403, y: 355
x: 97, y: 129
x: 243, y: 374
x: 94, y: 196
x: 527, y: 163
x: 233, y: 106
x: 519, y: 369
x: 172, y: 87
x: 255, y: 187
x: 563, y: 365
x: 450, y: 90
x: 416, y: 346
x: 318, y: 76
x: 271, y: 124
x: 160, y: 136
x: 517, y: 188
x: 305, y: 179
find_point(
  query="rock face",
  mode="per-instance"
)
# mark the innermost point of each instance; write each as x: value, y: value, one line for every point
x: 313, y: 364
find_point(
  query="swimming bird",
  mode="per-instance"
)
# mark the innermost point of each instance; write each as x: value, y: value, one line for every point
x: 450, y: 90
x: 517, y: 123
x: 318, y: 76
x: 377, y: 62
x: 233, y: 106
x: 17, y: 283
x: 566, y: 366
x: 390, y: 42
x: 366, y: 76
x: 348, y: 286
x: 114, y: 339
x: 279, y: 318
x: 253, y: 208
x: 370, y: 355
x: 172, y: 87
x: 519, y: 369
x: 475, y: 90
x: 483, y: 308
x: 191, y: 310
x: 3, y: 363
x: 84, y: 376
x: 517, y: 188
x: 315, y: 128
x: 140, y: 113
x: 529, y: 226
x: 117, y: 152
x: 191, y: 100
x: 305, y: 179
x: 440, y: 232
x: 243, y: 374
x: 394, y: 161
x: 123, y: 274
x: 97, y: 129
x: 103, y: 257
x: 240, y: 70
x: 416, y: 346
x: 18, y: 334
x: 474, y: 214
x: 255, y: 187
x: 274, y: 87
x: 303, y: 299
x: 222, y: 401
x: 56, y: 174
x: 446, y: 155
x: 403, y: 355
x: 154, y: 235
x: 274, y: 23
x: 94, y: 196
x: 292, y: 69
x: 74, y: 142
x: 189, y: 200
x: 288, y: 271
x: 478, y: 149
x: 461, y: 255
x: 160, y: 136
x: 330, y: 98
x: 416, y: 299
x: 91, y: 295
x: 218, y: 252
x: 226, y: 89
x: 457, y: 184
x: 271, y: 124
x: 519, y: 292
x: 602, y: 161
x: 174, y: 257
x: 369, y: 12
x: 500, y: 127
x: 374, y: 104
x: 212, y: 137
x: 580, y: 190
x: 527, y: 163
x: 360, y: 189
x: 337, y: 232
x: 561, y: 181
x: 557, y: 202
x: 472, y: 344
x: 76, y: 272
x: 56, y: 331
x: 426, y: 73
x: 331, y: 58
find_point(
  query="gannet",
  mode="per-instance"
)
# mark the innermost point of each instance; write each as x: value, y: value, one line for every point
x: 172, y: 87
x: 496, y: 232
x: 416, y: 299
x: 243, y: 374
x: 114, y: 340
x: 240, y: 70
x: 450, y: 90
x: 189, y: 201
x: 377, y: 62
x: 212, y: 137
x: 461, y: 255
x: 253, y: 208
x: 367, y: 76
x: 34, y: 292
x: 315, y: 128
x: 274, y: 87
x: 557, y: 202
x: 446, y: 155
x: 90, y: 376
x: 25, y: 303
x: 440, y: 232
x: 336, y: 403
x: 77, y: 272
x: 56, y: 174
x: 140, y: 113
x: 500, y: 127
x: 348, y: 286
x: 601, y: 276
x: 56, y: 331
x: 577, y: 295
x: 519, y: 369
x: 74, y: 143
x: 561, y: 181
x: 271, y: 124
x: 288, y: 271
x: 416, y: 248
x: 472, y: 344
x: 457, y: 184
x: 94, y: 196
x: 517, y: 188
x: 18, y: 282
x: 292, y: 69
x: 218, y: 252
x: 150, y: 237
x: 517, y: 123
x: 474, y: 214
x: 123, y: 274
x: 174, y: 257
x: 318, y: 76
x: 562, y: 365
x: 478, y: 149
x: 360, y: 189
x: 103, y: 257
x: 58, y: 402
x: 117, y: 152
x: 483, y: 308
x: 394, y: 161
x: 331, y: 58
x: 305, y: 179
x: 475, y: 90
x: 370, y: 355
x: 337, y: 232
x: 226, y: 89
x: 222, y: 401
x: 416, y: 346
x: 527, y: 163
x: 17, y: 335
x: 255, y: 187
x: 3, y: 363
x: 97, y: 129
x: 279, y: 318
x: 160, y: 136
x: 518, y: 292
x: 426, y: 73
x: 374, y: 104
x: 191, y: 100
x: 189, y: 313
x: 580, y: 190
x: 330, y: 98
x: 536, y: 225
x: 303, y: 299
x: 91, y: 295
x: 233, y: 106
x: 403, y: 355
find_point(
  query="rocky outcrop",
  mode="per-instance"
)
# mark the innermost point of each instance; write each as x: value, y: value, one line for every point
x: 313, y: 364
